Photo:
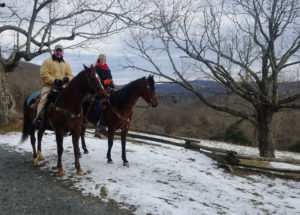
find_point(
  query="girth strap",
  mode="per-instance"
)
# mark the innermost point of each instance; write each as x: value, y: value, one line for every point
x: 68, y: 113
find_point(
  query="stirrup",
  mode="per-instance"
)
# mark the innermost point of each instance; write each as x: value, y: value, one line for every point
x: 85, y: 122
x: 38, y: 122
x: 100, y: 131
x: 98, y: 126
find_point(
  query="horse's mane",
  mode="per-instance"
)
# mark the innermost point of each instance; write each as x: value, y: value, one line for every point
x: 70, y: 87
x: 77, y: 76
x: 122, y: 96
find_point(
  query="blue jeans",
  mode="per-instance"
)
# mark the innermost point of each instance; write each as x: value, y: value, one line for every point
x: 98, y: 110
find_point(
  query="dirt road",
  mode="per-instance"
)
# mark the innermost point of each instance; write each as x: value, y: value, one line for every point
x: 25, y: 189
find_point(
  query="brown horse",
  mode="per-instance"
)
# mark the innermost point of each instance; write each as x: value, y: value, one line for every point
x: 118, y: 112
x: 66, y: 116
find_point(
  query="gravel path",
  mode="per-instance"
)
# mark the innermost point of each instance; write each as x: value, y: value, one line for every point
x: 25, y: 189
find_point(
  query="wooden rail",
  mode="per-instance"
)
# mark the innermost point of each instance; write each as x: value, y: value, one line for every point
x: 229, y: 158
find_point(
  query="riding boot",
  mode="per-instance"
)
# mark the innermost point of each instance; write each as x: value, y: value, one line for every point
x: 100, y: 131
x: 38, y: 122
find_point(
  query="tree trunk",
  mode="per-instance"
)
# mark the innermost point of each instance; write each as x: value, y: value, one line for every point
x: 265, y: 134
x: 7, y: 103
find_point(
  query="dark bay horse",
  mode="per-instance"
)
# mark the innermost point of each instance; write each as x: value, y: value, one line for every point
x: 66, y: 116
x: 118, y: 112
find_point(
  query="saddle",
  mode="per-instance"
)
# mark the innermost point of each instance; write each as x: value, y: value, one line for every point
x: 35, y: 97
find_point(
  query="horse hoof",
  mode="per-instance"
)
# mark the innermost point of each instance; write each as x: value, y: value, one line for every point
x: 61, y: 172
x: 40, y: 156
x: 36, y: 162
x: 79, y: 172
x: 110, y: 162
x: 126, y: 164
x: 86, y: 151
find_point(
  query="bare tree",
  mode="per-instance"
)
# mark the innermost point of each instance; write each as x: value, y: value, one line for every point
x: 248, y: 47
x: 32, y: 27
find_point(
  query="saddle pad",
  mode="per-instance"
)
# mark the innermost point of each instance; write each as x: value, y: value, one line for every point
x: 32, y: 96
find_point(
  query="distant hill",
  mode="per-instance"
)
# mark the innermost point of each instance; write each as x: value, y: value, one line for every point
x: 212, y: 88
x: 26, y: 72
x: 208, y: 88
x: 24, y: 80
x: 29, y: 73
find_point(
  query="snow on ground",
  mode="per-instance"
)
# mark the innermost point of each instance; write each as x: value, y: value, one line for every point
x: 244, y: 150
x: 164, y: 179
x: 174, y: 140
x: 280, y: 165
x: 247, y: 150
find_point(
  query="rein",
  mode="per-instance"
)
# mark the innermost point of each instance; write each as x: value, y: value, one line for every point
x: 128, y: 119
x: 118, y: 115
x: 88, y: 110
x: 68, y: 113
x: 64, y: 111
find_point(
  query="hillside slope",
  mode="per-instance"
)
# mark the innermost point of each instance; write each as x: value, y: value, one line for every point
x: 24, y: 80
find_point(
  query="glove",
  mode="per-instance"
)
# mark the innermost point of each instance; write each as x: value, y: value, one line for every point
x: 107, y: 82
x: 66, y: 80
x: 58, y: 83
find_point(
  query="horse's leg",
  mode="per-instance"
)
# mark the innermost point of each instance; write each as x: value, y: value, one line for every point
x: 110, y: 138
x: 33, y: 140
x: 86, y: 151
x: 60, y: 149
x: 75, y: 139
x: 39, y: 150
x: 123, y: 141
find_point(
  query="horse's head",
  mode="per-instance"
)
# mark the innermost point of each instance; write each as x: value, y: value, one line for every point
x: 94, y: 82
x: 148, y: 92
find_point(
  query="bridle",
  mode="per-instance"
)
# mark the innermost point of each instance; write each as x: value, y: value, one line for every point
x: 93, y: 88
x: 151, y: 97
x: 93, y: 94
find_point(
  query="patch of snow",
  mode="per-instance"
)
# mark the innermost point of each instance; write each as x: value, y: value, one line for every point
x: 284, y: 166
x: 243, y: 150
x: 165, y: 179
x: 174, y: 140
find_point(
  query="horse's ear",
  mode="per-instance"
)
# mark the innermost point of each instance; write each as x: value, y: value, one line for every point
x: 85, y: 67
x: 151, y: 80
x: 150, y: 76
x: 92, y: 67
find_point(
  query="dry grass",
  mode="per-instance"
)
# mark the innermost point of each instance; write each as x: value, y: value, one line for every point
x: 11, y: 127
x: 24, y: 80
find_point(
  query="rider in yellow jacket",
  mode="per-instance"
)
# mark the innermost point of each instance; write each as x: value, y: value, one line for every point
x: 55, y: 73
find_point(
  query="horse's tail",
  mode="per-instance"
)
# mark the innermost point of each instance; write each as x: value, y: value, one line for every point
x: 27, y: 123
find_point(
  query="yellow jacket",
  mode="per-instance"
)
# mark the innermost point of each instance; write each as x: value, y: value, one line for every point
x: 52, y: 69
